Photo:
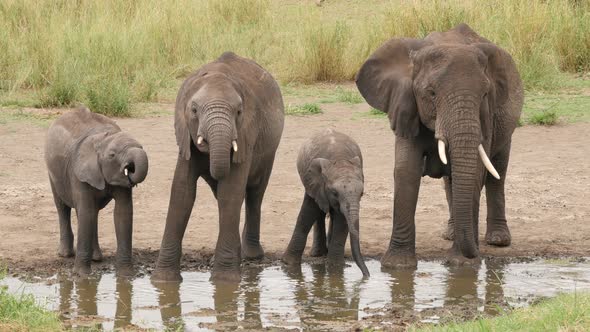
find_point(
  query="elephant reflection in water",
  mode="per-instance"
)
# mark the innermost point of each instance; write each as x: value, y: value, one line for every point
x: 225, y: 301
x: 169, y: 302
x: 82, y: 293
x: 462, y: 285
x: 325, y: 298
x: 403, y: 295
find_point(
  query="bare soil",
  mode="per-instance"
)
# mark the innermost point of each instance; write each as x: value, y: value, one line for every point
x: 547, y: 194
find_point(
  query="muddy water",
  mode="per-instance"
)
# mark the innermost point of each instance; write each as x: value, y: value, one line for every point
x: 314, y: 297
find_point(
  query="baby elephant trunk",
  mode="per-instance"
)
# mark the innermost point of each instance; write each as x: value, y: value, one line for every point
x: 136, y: 165
x: 352, y: 217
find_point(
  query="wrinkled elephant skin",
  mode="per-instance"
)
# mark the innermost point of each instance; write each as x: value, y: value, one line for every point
x: 91, y: 161
x: 453, y: 100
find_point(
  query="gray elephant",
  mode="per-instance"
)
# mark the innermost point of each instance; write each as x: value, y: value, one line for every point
x: 91, y: 161
x: 229, y: 119
x: 453, y: 100
x: 330, y: 166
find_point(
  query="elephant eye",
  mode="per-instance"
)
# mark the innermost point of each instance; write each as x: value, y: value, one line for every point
x: 111, y: 155
x: 431, y: 93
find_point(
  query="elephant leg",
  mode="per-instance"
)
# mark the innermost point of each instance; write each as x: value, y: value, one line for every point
x: 406, y: 185
x: 96, y: 251
x: 123, y: 216
x: 319, y: 247
x: 66, y: 236
x: 251, y: 248
x: 87, y: 213
x: 182, y: 199
x: 449, y: 233
x: 230, y: 197
x: 309, y: 214
x: 497, y: 232
x: 339, y: 233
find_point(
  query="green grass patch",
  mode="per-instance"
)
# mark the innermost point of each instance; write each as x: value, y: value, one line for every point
x: 343, y: 95
x: 546, y: 118
x: 23, y: 313
x: 375, y: 113
x: 547, y: 109
x: 109, y: 98
x: 305, y: 109
x: 41, y: 120
x: 566, y: 312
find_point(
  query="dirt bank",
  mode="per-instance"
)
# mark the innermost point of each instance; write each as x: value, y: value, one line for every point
x: 547, y: 193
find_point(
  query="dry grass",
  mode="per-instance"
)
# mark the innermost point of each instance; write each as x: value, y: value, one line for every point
x: 128, y: 51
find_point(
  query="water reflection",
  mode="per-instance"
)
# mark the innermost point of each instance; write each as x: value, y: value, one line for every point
x: 324, y: 297
x: 309, y: 297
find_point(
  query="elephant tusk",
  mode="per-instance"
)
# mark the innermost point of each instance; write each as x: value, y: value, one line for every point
x: 442, y: 154
x: 234, y: 144
x: 487, y: 163
x: 200, y: 140
x: 126, y: 171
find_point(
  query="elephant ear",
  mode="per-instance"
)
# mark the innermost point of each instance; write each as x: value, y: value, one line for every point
x: 385, y: 81
x: 247, y: 128
x: 85, y: 161
x: 181, y: 125
x: 498, y: 64
x: 315, y: 181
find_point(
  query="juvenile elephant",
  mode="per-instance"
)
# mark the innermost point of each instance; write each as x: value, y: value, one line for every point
x: 330, y: 166
x: 91, y: 161
x: 453, y: 100
x: 229, y: 119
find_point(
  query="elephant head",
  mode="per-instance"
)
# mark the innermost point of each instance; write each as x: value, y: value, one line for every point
x: 110, y: 157
x: 209, y: 118
x: 446, y: 83
x: 339, y: 185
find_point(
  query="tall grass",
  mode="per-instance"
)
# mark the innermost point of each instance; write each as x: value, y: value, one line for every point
x: 98, y: 51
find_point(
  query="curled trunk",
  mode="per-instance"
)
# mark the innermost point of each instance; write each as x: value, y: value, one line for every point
x: 137, y: 162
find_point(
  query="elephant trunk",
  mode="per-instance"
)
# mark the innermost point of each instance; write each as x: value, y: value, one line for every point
x: 463, y: 146
x: 136, y: 165
x: 220, y: 131
x: 352, y: 218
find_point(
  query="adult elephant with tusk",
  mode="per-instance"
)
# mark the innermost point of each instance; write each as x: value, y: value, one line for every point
x: 453, y: 100
x: 228, y: 119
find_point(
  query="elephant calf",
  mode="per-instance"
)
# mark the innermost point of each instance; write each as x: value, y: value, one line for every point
x: 91, y: 161
x: 330, y: 165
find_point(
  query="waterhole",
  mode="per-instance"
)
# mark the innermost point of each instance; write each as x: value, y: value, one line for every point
x: 314, y: 297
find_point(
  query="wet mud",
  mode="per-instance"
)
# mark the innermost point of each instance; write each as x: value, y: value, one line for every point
x: 312, y: 297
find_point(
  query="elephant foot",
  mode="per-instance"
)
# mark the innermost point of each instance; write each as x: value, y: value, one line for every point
x: 457, y: 260
x: 449, y: 233
x: 318, y: 251
x: 82, y: 270
x: 97, y: 255
x: 230, y: 276
x: 166, y: 275
x: 125, y: 271
x: 393, y: 260
x: 498, y: 237
x: 252, y: 252
x: 335, y: 262
x: 65, y: 252
x: 290, y: 259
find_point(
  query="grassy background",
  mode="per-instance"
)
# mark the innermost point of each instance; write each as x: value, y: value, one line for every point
x: 110, y: 54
